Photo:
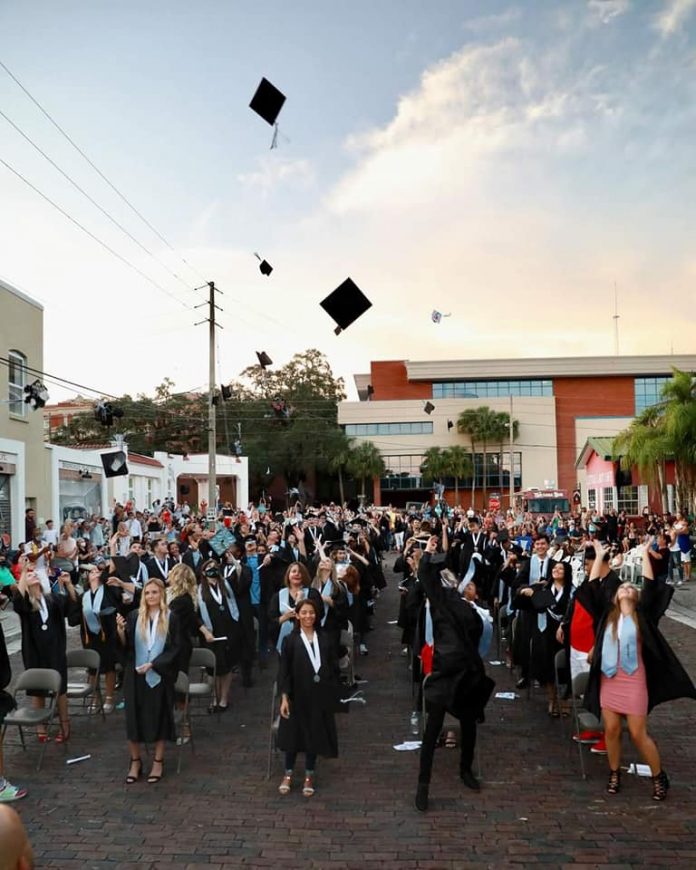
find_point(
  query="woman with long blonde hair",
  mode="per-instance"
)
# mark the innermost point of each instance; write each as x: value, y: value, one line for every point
x: 151, y: 636
x: 335, y: 598
x: 634, y: 669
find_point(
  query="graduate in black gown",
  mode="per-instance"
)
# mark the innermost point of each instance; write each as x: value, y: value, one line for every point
x: 96, y: 617
x: 308, y: 684
x: 151, y: 637
x: 42, y: 618
x: 219, y: 611
x: 240, y: 577
x: 335, y: 598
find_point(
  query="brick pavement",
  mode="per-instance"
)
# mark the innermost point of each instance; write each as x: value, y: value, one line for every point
x: 222, y: 812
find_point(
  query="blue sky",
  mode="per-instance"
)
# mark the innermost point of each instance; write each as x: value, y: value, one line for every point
x: 503, y: 162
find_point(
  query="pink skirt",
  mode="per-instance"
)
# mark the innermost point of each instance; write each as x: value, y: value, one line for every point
x: 624, y: 694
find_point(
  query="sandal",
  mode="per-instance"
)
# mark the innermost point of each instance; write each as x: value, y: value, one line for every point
x: 108, y: 704
x: 43, y: 737
x: 660, y: 786
x: 308, y: 787
x: 285, y: 784
x: 554, y: 712
x: 451, y: 740
x: 614, y: 784
x: 153, y: 778
x: 130, y: 779
x: 64, y: 735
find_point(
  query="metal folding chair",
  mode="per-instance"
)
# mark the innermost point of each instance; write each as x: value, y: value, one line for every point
x: 273, y: 730
x: 201, y: 684
x: 43, y: 681
x: 560, y: 664
x: 583, y: 720
x: 85, y: 687
x: 347, y: 640
x: 182, y: 718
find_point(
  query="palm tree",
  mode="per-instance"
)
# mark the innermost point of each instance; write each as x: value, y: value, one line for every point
x: 487, y: 423
x: 365, y: 461
x: 679, y: 401
x: 646, y: 446
x: 433, y: 466
x: 467, y: 424
x: 457, y: 464
x: 341, y: 448
x: 502, y: 436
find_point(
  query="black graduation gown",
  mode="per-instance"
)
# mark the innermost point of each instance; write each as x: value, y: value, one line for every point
x: 105, y: 642
x: 227, y: 653
x: 45, y: 649
x: 667, y: 680
x: 544, y: 645
x: 241, y: 586
x: 458, y: 681
x: 150, y: 711
x: 336, y: 616
x: 274, y: 612
x: 311, y: 726
x: 189, y: 622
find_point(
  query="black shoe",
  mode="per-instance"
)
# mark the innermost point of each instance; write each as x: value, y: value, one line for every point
x: 469, y: 780
x: 422, y: 796
x: 521, y: 683
x: 660, y: 786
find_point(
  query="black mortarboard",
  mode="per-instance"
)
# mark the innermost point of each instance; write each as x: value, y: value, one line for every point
x: 542, y: 597
x: 267, y: 101
x: 345, y: 304
x: 226, y: 392
x: 265, y: 267
x: 115, y: 464
x: 126, y: 567
x: 428, y: 407
x: 450, y: 425
x: 264, y: 359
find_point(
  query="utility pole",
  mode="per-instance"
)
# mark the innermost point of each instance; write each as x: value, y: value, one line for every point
x: 512, y: 460
x: 212, y: 433
x: 615, y: 318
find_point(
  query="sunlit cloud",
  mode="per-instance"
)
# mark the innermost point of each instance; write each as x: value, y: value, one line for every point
x: 272, y: 172
x: 674, y: 15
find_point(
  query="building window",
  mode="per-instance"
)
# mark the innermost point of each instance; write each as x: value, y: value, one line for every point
x: 149, y: 492
x: 131, y: 489
x: 492, y: 389
x: 403, y: 472
x: 628, y: 500
x: 648, y: 391
x: 363, y: 429
x: 17, y: 377
x: 608, y: 498
x: 592, y: 499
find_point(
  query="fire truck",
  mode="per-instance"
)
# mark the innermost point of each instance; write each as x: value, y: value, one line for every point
x: 542, y: 502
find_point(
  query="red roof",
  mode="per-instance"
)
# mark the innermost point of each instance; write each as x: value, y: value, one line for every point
x: 139, y: 459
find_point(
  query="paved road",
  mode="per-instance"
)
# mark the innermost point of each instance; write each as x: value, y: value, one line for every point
x: 222, y: 812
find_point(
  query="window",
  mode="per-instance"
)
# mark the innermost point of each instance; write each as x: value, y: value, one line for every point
x: 628, y: 500
x: 17, y: 377
x: 492, y: 389
x: 149, y: 492
x: 418, y: 428
x: 404, y: 473
x: 648, y: 391
x: 608, y: 498
x: 131, y: 489
x: 592, y: 499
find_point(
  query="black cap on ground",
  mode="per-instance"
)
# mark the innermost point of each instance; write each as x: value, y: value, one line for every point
x: 267, y: 101
x: 345, y: 304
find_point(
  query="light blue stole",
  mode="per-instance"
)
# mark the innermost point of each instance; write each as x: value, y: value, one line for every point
x: 284, y: 606
x: 144, y: 655
x: 90, y: 611
x: 231, y: 606
x: 326, y: 592
x: 628, y: 641
x: 429, y: 634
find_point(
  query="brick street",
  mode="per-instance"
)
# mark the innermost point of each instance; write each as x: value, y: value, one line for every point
x: 221, y: 811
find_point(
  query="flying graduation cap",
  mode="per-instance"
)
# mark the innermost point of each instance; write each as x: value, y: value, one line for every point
x: 264, y: 266
x: 115, y: 464
x: 264, y: 359
x: 267, y: 101
x: 428, y: 407
x: 437, y: 316
x: 345, y: 304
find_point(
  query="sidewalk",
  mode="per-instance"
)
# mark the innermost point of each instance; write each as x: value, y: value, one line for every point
x: 222, y: 812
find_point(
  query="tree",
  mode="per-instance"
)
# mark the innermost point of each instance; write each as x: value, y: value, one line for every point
x: 457, y: 463
x: 467, y: 424
x: 645, y: 446
x: 341, y: 450
x: 480, y: 424
x: 433, y: 467
x: 365, y: 461
x: 502, y: 436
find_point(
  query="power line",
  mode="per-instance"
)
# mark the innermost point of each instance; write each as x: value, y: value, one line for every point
x: 79, y: 150
x: 92, y: 200
x: 92, y: 236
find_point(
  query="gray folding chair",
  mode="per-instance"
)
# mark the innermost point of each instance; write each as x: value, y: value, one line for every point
x: 47, y: 683
x: 583, y: 720
x: 182, y: 718
x: 273, y: 730
x: 83, y: 687
x: 560, y: 664
x: 201, y: 683
x: 347, y: 640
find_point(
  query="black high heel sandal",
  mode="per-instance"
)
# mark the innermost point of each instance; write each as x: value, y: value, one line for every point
x: 130, y: 779
x: 152, y: 779
x: 660, y: 786
x: 614, y: 784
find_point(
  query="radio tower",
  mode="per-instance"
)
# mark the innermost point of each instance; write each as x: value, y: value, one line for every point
x: 615, y: 318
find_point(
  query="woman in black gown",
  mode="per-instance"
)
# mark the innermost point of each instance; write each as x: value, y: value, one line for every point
x: 308, y: 688
x: 151, y: 637
x: 219, y: 612
x: 43, y: 635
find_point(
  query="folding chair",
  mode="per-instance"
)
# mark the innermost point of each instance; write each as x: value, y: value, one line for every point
x: 83, y: 687
x: 182, y: 718
x: 46, y: 682
x: 347, y: 640
x: 273, y: 730
x: 201, y: 684
x: 583, y: 720
x: 560, y: 665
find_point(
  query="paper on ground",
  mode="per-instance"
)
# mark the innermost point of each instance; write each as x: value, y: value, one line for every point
x: 506, y: 696
x: 75, y: 760
x: 640, y: 769
x: 408, y: 746
x: 495, y: 663
x: 219, y: 638
x: 393, y: 622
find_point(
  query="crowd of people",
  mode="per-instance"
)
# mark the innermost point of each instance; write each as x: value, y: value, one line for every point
x: 258, y: 587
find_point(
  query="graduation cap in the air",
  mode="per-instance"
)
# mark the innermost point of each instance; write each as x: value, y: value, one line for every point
x: 428, y: 407
x: 264, y: 266
x: 345, y: 304
x: 437, y: 316
x: 264, y: 359
x: 450, y: 425
x: 267, y: 101
x: 115, y: 464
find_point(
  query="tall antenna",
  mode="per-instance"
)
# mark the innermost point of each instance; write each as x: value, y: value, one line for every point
x: 615, y: 318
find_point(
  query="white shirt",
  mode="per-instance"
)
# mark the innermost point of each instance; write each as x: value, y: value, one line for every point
x: 135, y: 529
x: 50, y: 536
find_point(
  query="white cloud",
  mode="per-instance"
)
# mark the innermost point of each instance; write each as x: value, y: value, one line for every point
x: 606, y: 10
x: 674, y: 16
x: 485, y: 23
x: 274, y: 170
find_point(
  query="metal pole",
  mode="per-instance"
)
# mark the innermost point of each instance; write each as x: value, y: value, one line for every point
x: 212, y: 434
x: 512, y: 461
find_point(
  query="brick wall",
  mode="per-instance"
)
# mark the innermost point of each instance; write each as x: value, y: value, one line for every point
x: 390, y: 381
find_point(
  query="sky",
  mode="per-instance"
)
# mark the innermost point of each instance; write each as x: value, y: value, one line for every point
x: 503, y: 163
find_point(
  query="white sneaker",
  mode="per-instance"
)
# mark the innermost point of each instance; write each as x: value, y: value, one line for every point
x: 363, y: 649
